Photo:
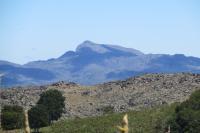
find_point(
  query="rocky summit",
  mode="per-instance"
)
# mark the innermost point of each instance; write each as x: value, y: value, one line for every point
x: 138, y: 92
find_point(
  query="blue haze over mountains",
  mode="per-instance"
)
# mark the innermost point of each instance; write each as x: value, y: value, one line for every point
x: 93, y: 63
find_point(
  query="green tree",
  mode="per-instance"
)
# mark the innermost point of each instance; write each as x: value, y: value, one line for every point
x: 187, y: 115
x: 12, y: 117
x: 54, y: 102
x: 38, y: 117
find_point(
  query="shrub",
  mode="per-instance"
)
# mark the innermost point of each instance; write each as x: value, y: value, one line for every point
x: 12, y: 117
x: 108, y: 109
x: 38, y: 117
x: 187, y: 115
x: 54, y: 103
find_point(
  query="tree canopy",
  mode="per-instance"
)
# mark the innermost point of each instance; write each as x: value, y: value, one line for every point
x: 38, y: 117
x: 187, y: 115
x: 53, y: 100
x: 12, y: 117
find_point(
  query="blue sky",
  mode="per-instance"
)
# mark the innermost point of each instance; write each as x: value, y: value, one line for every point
x: 41, y: 29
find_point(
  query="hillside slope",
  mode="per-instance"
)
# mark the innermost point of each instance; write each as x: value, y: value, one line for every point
x: 149, y: 90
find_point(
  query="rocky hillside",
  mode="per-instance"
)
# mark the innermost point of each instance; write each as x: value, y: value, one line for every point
x: 131, y: 94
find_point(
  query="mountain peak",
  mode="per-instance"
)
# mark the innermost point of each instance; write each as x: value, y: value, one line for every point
x: 104, y: 48
x: 88, y: 42
x: 93, y: 46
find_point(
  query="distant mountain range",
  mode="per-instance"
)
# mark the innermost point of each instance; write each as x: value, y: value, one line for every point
x: 93, y: 63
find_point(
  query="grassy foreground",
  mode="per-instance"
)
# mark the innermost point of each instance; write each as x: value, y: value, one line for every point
x: 145, y: 121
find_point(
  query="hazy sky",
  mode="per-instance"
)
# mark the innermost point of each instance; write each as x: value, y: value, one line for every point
x: 42, y: 29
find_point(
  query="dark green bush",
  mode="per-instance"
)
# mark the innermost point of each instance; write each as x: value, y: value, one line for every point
x: 108, y: 109
x: 187, y: 116
x: 12, y: 117
x: 54, y: 102
x: 38, y: 117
